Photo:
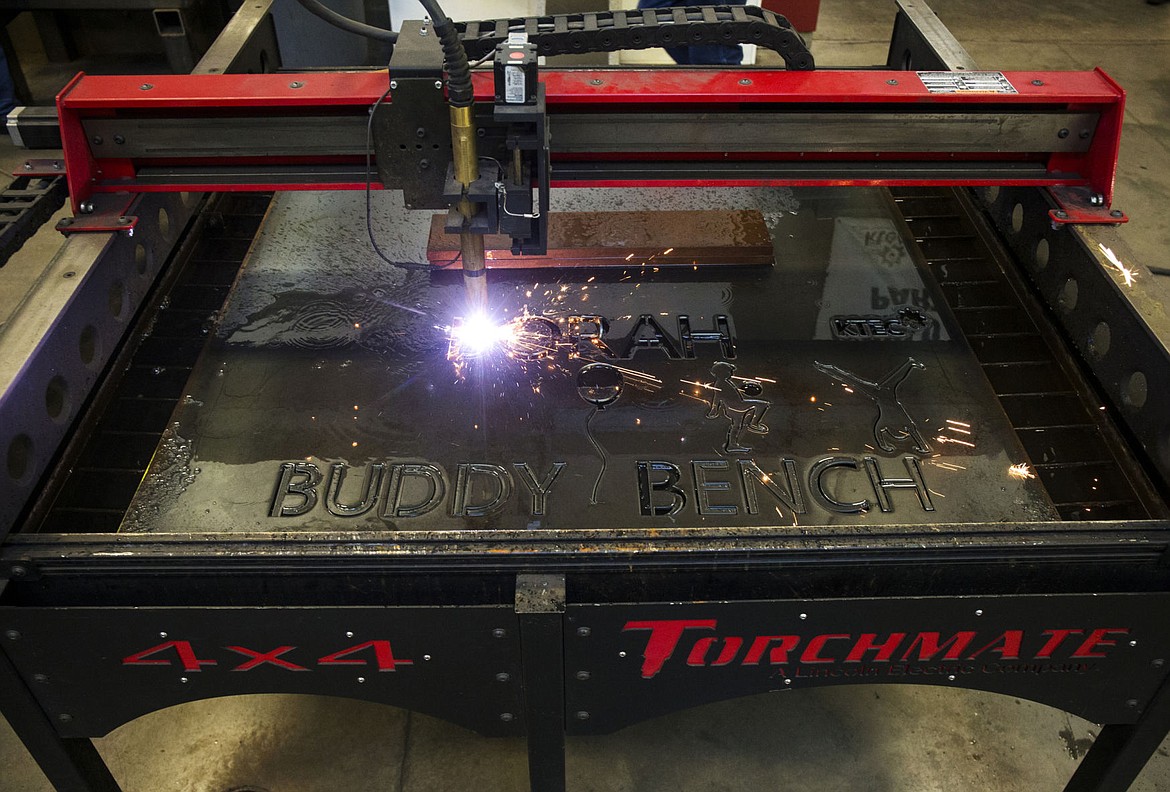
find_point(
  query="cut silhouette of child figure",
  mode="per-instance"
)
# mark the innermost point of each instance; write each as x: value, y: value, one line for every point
x: 729, y: 401
x: 893, y: 424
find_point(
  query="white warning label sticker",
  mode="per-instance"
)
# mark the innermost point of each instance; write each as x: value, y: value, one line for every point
x: 513, y: 85
x: 966, y: 82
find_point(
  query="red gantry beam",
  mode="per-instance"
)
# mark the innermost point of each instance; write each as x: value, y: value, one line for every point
x: 653, y: 126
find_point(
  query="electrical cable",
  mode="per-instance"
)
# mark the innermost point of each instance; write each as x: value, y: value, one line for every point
x: 347, y: 24
x: 459, y: 93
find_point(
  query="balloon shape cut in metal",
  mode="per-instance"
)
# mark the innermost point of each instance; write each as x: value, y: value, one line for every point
x: 600, y: 384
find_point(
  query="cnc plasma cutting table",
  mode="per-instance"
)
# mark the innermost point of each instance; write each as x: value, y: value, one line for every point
x: 908, y: 437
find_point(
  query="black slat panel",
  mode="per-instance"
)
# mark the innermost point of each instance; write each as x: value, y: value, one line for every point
x: 1057, y: 429
x: 1045, y: 410
x: 108, y: 469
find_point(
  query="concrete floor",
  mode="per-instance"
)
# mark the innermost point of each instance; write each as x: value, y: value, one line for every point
x: 901, y: 739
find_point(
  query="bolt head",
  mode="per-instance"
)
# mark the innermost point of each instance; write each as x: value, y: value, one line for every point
x: 503, y: 677
x: 146, y: 86
x: 420, y: 132
x: 1062, y: 134
x: 119, y: 139
x: 979, y: 612
x: 891, y: 82
x: 87, y: 207
x: 42, y: 679
x: 584, y: 676
x: 296, y: 84
x: 393, y: 84
x: 1117, y: 213
x: 439, y: 85
x: 595, y: 81
x: 18, y: 571
x: 745, y: 81
x: 1037, y: 82
x: 97, y: 141
x: 65, y: 717
x: 582, y: 715
x: 28, y: 166
x: 499, y: 632
x: 584, y: 632
x: 1132, y: 703
x: 507, y: 717
x: 1061, y: 214
x: 66, y: 221
x: 12, y: 635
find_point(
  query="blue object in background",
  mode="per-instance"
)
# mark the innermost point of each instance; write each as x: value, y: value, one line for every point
x: 720, y: 54
x: 7, y: 89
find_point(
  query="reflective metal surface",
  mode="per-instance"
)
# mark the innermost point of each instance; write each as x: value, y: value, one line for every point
x: 338, y: 395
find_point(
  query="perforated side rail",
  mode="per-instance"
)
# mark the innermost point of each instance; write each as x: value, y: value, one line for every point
x: 1073, y: 447
x: 612, y: 31
x: 110, y: 463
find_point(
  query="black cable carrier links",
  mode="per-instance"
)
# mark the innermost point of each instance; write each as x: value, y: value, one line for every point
x: 25, y: 205
x: 612, y: 31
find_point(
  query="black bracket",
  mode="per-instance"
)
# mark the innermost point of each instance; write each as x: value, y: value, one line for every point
x: 412, y: 129
x: 528, y: 135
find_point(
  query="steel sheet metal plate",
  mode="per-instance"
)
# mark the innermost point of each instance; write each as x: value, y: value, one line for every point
x: 340, y: 393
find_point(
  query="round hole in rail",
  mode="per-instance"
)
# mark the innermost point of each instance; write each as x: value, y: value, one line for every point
x: 1018, y: 218
x: 164, y: 222
x: 1134, y: 390
x: 992, y: 194
x: 89, y: 345
x: 57, y: 402
x: 1069, y: 292
x: 1042, y: 252
x: 141, y: 259
x: 1100, y: 340
x: 117, y: 299
x: 19, y: 460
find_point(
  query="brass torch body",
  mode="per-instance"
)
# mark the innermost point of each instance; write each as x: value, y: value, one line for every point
x: 466, y: 161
